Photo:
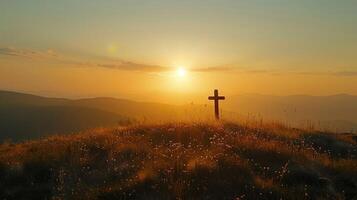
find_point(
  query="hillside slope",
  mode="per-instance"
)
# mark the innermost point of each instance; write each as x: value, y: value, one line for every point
x: 25, y: 116
x: 18, y: 123
x: 182, y: 161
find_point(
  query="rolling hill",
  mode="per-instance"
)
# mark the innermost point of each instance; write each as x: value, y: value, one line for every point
x: 24, y: 116
x: 29, y: 122
x: 182, y: 161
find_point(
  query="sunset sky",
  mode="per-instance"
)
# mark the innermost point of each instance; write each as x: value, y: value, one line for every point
x: 135, y: 48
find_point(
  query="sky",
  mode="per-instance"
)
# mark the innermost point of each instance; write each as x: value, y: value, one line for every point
x: 133, y: 49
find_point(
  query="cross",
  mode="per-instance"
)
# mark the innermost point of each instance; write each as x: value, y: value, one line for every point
x: 216, y: 98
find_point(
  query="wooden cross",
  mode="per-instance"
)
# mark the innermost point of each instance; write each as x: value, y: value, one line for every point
x: 216, y: 98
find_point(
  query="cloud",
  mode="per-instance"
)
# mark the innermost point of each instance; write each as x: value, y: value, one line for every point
x: 131, y: 66
x: 27, y: 53
x: 52, y: 56
x: 237, y: 69
x: 346, y: 73
x: 214, y: 69
x: 328, y: 73
x: 117, y: 64
x: 275, y: 72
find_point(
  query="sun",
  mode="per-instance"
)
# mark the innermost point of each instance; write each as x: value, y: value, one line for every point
x: 181, y: 72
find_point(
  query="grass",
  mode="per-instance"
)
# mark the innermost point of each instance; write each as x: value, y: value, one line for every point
x: 182, y: 161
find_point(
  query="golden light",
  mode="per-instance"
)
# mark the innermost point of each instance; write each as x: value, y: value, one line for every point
x: 181, y: 72
x: 180, y: 80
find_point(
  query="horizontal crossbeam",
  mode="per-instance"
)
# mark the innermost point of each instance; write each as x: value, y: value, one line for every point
x: 219, y: 98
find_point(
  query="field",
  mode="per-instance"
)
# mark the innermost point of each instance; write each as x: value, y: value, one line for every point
x: 205, y: 160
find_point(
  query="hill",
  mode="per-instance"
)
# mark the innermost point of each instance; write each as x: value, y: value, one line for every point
x: 25, y: 116
x: 29, y: 122
x: 182, y: 161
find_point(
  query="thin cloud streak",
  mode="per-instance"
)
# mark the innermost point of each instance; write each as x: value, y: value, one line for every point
x: 330, y: 73
x: 30, y: 54
x: 52, y: 56
x: 214, y: 69
x: 110, y: 63
x: 346, y: 73
x: 130, y: 66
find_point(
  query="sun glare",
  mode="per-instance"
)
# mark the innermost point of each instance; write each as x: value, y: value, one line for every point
x: 181, y: 72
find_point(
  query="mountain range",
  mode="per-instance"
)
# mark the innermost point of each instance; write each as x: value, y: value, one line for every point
x: 26, y: 116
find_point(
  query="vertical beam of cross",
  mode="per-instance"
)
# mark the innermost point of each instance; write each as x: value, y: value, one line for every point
x: 216, y: 99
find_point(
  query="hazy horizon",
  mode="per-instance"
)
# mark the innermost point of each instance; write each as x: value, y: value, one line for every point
x: 199, y: 99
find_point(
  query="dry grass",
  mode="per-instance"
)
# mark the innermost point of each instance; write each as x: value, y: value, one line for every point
x: 182, y: 161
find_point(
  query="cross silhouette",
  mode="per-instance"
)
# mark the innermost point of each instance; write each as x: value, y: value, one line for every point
x: 216, y: 98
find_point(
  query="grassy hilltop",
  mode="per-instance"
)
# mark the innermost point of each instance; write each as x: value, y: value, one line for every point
x: 182, y: 161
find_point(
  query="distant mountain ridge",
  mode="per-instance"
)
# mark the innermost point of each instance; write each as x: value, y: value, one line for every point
x: 26, y: 116
x: 123, y: 107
